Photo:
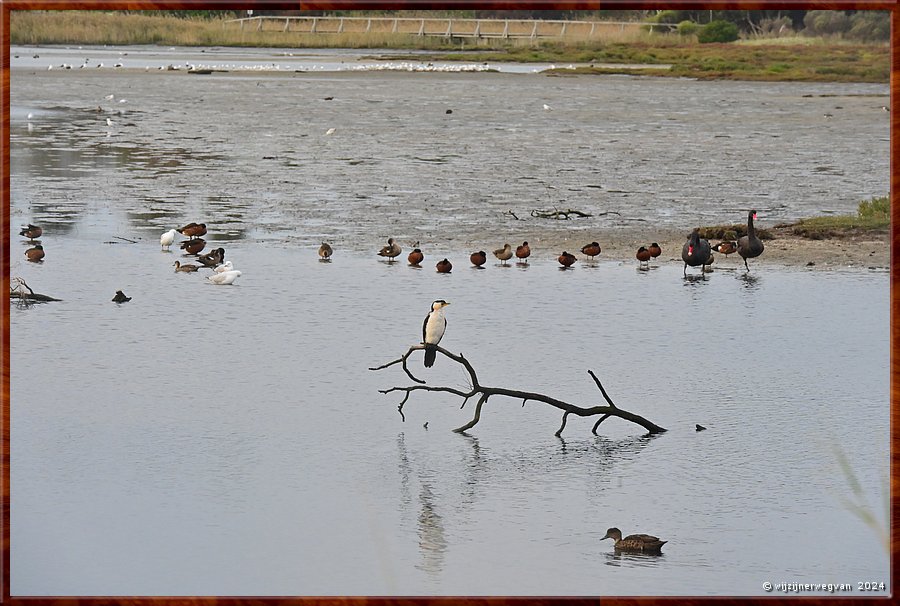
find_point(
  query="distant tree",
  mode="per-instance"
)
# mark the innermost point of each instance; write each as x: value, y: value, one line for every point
x: 874, y: 26
x: 820, y: 23
x: 718, y: 31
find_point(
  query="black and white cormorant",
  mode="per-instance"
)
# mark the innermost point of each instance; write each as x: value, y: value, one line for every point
x: 433, y: 329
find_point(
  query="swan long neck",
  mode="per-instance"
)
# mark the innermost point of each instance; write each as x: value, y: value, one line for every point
x: 751, y: 231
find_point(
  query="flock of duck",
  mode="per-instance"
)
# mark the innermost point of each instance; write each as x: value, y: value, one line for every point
x: 224, y: 272
x: 696, y: 252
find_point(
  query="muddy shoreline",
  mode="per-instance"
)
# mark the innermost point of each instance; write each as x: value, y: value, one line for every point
x: 866, y: 251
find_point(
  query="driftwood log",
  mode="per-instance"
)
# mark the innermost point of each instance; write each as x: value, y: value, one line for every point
x: 18, y: 289
x: 484, y: 392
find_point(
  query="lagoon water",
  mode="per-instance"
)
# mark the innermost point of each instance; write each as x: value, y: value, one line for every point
x: 204, y: 440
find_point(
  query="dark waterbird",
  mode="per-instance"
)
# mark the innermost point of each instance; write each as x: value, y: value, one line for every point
x: 591, y: 250
x: 478, y: 258
x: 120, y: 297
x: 391, y: 251
x: 444, y: 266
x: 192, y: 247
x: 750, y: 246
x: 642, y: 543
x: 35, y: 253
x: 213, y: 257
x: 695, y: 251
x: 416, y: 257
x: 643, y: 256
x: 325, y: 251
x: 523, y: 252
x: 655, y: 250
x: 566, y: 259
x: 31, y: 231
x: 192, y: 230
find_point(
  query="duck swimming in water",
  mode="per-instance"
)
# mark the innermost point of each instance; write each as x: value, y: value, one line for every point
x: 187, y: 267
x: 643, y: 543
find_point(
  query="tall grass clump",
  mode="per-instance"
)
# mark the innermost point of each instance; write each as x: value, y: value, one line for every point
x: 876, y: 208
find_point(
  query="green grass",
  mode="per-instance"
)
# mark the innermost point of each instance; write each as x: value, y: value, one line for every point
x: 872, y: 216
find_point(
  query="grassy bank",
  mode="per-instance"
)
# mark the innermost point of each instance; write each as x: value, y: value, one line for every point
x: 872, y: 216
x: 837, y: 62
x: 802, y: 59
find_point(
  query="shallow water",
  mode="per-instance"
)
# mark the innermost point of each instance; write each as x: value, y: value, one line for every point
x: 207, y: 440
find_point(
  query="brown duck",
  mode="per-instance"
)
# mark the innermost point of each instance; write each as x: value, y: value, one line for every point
x: 504, y: 254
x: 655, y: 250
x: 325, y: 250
x: 35, y: 253
x: 121, y: 297
x: 478, y: 258
x: 192, y: 247
x: 192, y: 230
x: 416, y: 257
x: 726, y: 248
x: 185, y: 267
x: 523, y: 252
x: 643, y: 543
x: 643, y: 255
x: 444, y: 267
x: 391, y: 251
x: 31, y: 231
x: 591, y: 250
x: 566, y: 259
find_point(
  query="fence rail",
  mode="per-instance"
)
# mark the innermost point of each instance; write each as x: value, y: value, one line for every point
x: 443, y: 27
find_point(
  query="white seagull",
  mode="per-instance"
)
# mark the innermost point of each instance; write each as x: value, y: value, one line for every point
x: 226, y: 266
x: 167, y: 239
x: 330, y: 131
x: 433, y: 329
x: 225, y: 277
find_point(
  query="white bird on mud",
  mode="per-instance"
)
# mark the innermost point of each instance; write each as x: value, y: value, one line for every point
x: 547, y: 107
x: 330, y: 131
x: 166, y: 240
x: 109, y: 97
x: 225, y: 277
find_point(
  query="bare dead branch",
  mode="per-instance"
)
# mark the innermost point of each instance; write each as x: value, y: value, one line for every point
x: 486, y: 392
x: 600, y: 385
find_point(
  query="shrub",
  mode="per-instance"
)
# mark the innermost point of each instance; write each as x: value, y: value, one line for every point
x: 688, y: 28
x: 876, y: 208
x: 870, y: 26
x: 718, y: 31
x: 820, y: 23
